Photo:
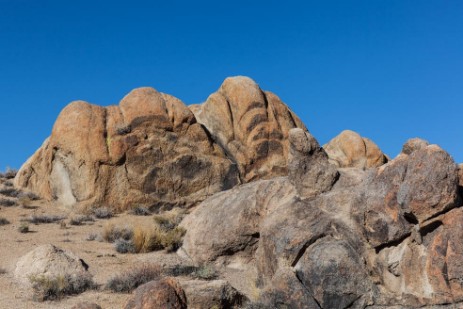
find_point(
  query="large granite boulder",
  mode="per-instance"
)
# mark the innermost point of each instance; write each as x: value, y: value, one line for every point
x: 149, y: 150
x: 48, y: 261
x: 251, y: 125
x: 349, y: 149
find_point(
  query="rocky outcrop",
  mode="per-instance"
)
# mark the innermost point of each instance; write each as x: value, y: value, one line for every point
x: 152, y: 150
x: 148, y: 150
x: 251, y: 125
x: 349, y: 149
x: 159, y: 294
x: 382, y: 237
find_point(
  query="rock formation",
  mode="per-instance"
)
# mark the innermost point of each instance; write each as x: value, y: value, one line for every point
x: 349, y: 149
x: 251, y: 125
x: 303, y: 226
x: 377, y: 238
x: 151, y: 150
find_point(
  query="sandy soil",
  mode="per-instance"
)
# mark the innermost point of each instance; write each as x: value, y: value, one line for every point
x: 102, y: 258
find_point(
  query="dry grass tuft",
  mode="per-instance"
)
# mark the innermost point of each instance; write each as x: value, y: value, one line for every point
x: 111, y: 232
x: 132, y: 278
x: 53, y: 288
x: 44, y: 219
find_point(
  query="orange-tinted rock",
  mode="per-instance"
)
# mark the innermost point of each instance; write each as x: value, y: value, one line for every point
x: 349, y: 149
x: 148, y: 150
x: 251, y: 125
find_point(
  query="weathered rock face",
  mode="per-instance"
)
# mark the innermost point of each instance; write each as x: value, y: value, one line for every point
x: 151, y: 150
x: 48, y: 261
x: 235, y: 217
x: 159, y: 294
x: 211, y: 294
x: 349, y: 149
x: 309, y: 169
x: 383, y: 237
x: 251, y: 125
x: 409, y: 190
x: 148, y: 150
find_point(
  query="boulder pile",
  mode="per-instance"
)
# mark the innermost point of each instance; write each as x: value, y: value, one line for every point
x: 338, y: 226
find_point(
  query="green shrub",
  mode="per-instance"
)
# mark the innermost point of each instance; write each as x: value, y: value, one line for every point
x: 23, y: 228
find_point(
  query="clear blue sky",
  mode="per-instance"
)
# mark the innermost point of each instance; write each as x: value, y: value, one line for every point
x: 390, y: 70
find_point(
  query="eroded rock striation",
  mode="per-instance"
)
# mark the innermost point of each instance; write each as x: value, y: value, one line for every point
x: 251, y: 125
x: 151, y: 149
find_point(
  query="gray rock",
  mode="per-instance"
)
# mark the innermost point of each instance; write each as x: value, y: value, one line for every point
x: 309, y: 169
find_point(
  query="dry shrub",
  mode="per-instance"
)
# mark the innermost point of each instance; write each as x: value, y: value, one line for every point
x: 7, y: 202
x: 52, y: 288
x: 132, y: 278
x: 4, y: 221
x: 156, y: 238
x: 111, y: 232
x: 168, y: 220
x: 81, y: 219
x: 40, y: 219
x: 103, y: 213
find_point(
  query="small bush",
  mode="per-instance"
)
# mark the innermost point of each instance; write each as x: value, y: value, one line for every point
x: 52, y: 288
x: 29, y: 196
x: 103, y: 213
x: 11, y: 192
x: 4, y: 221
x: 81, y: 219
x: 10, y: 173
x: 205, y: 272
x: 169, y: 219
x: 112, y: 232
x: 91, y: 237
x: 23, y: 228
x: 3, y: 271
x: 140, y: 211
x: 44, y: 219
x: 7, y: 202
x: 129, y: 280
x: 124, y: 246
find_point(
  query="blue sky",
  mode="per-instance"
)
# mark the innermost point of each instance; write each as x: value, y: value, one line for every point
x: 390, y: 70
